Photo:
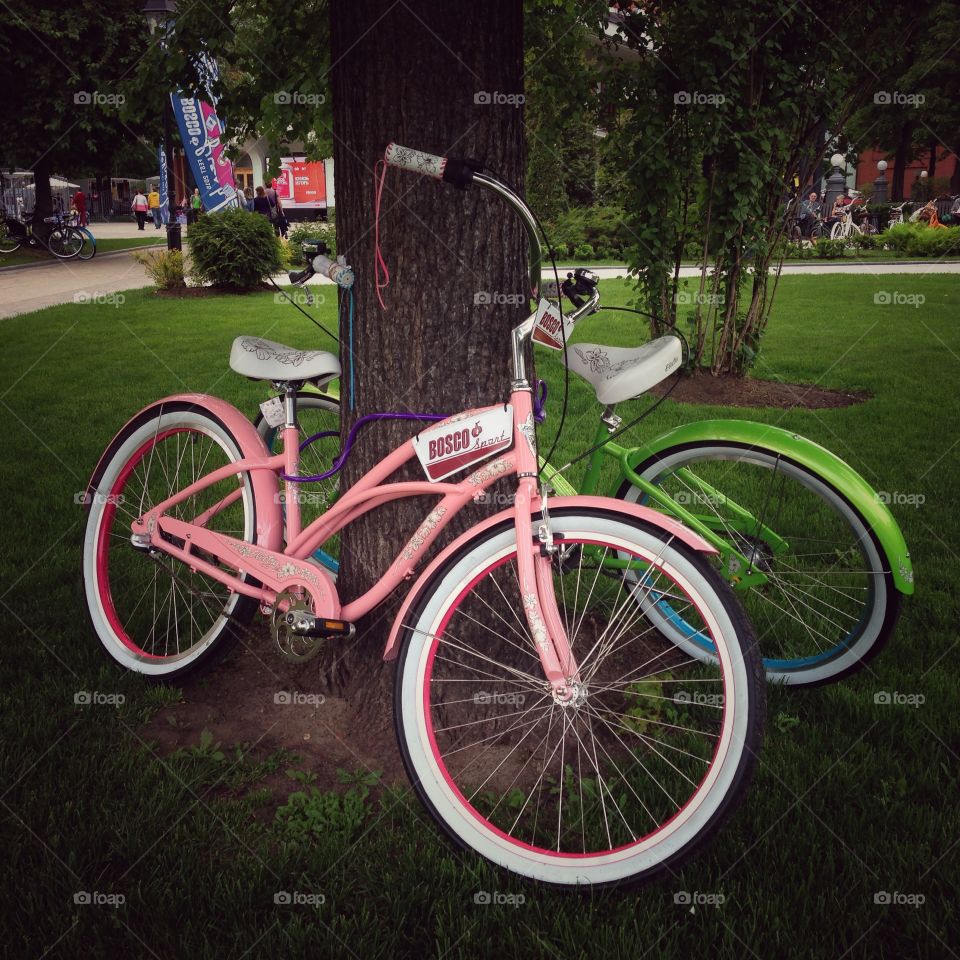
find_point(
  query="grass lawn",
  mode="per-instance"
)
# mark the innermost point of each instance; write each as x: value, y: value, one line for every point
x: 853, y: 798
x: 108, y: 245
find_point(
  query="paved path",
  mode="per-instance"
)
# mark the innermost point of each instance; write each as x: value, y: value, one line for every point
x: 47, y: 284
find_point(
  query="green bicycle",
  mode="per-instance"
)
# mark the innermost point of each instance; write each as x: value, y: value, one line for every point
x: 816, y: 557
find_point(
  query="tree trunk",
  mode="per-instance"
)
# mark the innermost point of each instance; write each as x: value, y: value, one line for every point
x: 932, y: 161
x: 900, y: 161
x: 411, y: 73
x: 43, y: 196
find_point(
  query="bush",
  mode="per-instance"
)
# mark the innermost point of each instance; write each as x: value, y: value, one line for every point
x: 866, y: 241
x: 600, y: 228
x: 233, y: 249
x: 164, y: 267
x: 583, y: 251
x: 827, y: 249
x: 299, y: 232
x: 919, y: 240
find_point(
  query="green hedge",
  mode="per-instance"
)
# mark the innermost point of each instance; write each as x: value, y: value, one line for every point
x: 919, y: 240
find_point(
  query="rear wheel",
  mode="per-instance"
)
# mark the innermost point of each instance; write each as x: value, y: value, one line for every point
x: 640, y: 768
x: 829, y: 603
x: 151, y: 614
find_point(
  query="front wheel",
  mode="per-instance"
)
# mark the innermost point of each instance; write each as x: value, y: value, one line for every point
x: 89, y: 249
x: 633, y: 774
x: 829, y: 603
x: 11, y: 238
x: 65, y: 242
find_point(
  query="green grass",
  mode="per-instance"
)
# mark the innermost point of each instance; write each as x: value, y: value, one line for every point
x: 852, y: 797
x: 20, y: 257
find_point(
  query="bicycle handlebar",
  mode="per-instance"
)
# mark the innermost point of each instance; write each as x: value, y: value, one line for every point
x: 462, y: 172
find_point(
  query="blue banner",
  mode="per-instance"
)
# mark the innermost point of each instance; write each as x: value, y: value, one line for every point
x: 203, y: 135
x: 164, y: 188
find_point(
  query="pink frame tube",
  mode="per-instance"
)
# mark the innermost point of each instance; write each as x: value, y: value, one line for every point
x: 289, y: 568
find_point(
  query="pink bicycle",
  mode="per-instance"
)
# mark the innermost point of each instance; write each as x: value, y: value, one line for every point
x: 545, y: 721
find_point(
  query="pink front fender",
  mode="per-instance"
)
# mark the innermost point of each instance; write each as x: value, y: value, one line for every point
x: 268, y: 509
x: 587, y: 503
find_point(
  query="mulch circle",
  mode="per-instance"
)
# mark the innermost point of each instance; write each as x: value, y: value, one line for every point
x: 728, y: 391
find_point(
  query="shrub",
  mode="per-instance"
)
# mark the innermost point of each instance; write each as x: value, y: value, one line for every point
x: 601, y: 228
x: 164, y: 267
x: 866, y: 242
x: 583, y: 251
x: 233, y: 249
x: 299, y: 232
x: 919, y: 240
x: 827, y: 249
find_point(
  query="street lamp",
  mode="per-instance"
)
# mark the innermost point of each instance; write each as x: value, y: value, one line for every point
x: 880, y: 184
x: 159, y: 15
x: 836, y: 181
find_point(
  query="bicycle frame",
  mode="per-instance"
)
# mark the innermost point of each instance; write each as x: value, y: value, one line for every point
x: 202, y: 549
x: 741, y: 573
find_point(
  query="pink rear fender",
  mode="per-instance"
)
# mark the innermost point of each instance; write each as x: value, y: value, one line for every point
x: 268, y: 509
x: 665, y: 523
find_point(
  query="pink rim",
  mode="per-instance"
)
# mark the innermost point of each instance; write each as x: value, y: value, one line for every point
x: 469, y: 806
x: 103, y: 558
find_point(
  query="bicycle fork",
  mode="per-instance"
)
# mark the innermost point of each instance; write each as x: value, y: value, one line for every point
x: 535, y: 565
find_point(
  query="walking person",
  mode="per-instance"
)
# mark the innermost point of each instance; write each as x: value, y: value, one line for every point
x: 276, y: 211
x: 153, y: 204
x: 80, y: 205
x: 261, y: 203
x: 196, y: 205
x: 248, y: 199
x: 140, y: 208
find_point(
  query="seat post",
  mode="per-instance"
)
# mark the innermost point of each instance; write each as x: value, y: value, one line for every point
x: 291, y: 449
x: 610, y: 418
x: 289, y: 404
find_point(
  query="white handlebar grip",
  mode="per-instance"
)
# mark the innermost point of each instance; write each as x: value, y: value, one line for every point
x: 339, y: 273
x: 406, y: 158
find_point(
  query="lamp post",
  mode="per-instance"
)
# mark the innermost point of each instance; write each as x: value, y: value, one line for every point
x: 880, y: 184
x: 159, y: 15
x: 836, y: 182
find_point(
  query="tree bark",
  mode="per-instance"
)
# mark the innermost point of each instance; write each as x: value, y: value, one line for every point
x: 411, y: 73
x: 42, y: 194
x: 900, y: 160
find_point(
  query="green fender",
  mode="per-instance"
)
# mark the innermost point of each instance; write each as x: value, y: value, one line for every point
x: 817, y: 459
